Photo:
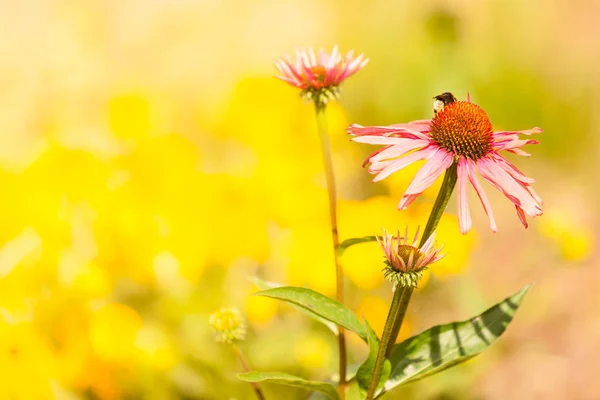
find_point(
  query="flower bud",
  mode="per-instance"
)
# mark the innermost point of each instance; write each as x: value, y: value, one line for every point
x: 405, y: 263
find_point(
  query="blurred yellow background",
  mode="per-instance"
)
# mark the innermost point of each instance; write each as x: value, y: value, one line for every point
x: 150, y: 163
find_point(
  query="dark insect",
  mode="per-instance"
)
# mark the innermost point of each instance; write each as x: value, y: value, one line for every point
x: 442, y: 100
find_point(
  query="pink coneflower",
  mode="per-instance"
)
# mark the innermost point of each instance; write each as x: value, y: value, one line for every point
x: 405, y: 263
x: 319, y: 74
x: 460, y: 133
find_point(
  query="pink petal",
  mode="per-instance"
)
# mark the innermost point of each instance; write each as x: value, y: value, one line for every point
x: 359, y: 130
x: 512, y: 144
x: 519, y: 152
x: 290, y: 67
x: 522, y: 216
x: 438, y: 162
x: 373, y: 154
x: 513, y: 189
x: 511, y: 169
x: 482, y: 195
x: 290, y: 81
x: 401, y: 163
x: 397, y: 150
x: 388, y: 140
x: 423, y: 126
x: 532, y: 131
x: 428, y: 243
x: 464, y: 216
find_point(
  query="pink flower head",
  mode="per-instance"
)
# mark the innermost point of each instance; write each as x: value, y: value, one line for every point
x: 461, y: 133
x: 405, y: 262
x: 321, y: 73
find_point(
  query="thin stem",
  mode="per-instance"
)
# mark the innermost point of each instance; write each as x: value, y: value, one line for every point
x: 339, y: 278
x: 246, y: 368
x: 441, y: 202
x: 434, y: 218
x: 406, y: 293
x: 402, y: 296
x: 385, y: 338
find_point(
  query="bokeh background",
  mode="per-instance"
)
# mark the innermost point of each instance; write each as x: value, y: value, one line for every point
x: 150, y: 164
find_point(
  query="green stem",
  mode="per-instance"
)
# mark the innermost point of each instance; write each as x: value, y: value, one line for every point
x: 440, y: 202
x: 385, y: 337
x: 402, y: 296
x: 406, y: 293
x: 330, y: 179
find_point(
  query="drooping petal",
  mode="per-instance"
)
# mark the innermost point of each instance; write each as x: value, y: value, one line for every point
x: 511, y: 169
x: 512, y: 189
x: 439, y: 161
x: 401, y: 163
x: 397, y: 150
x: 464, y: 216
x: 512, y: 144
x: 482, y: 195
x: 519, y: 152
x: 522, y: 216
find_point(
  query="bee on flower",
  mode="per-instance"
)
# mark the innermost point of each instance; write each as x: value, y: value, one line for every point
x: 459, y: 136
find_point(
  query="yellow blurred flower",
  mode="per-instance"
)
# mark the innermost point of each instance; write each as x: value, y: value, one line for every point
x: 26, y: 362
x: 457, y: 247
x: 312, y: 351
x: 113, y: 332
x: 129, y: 116
x: 259, y: 310
x: 567, y: 231
x: 73, y: 350
x: 311, y: 261
x: 375, y: 310
x: 155, y: 348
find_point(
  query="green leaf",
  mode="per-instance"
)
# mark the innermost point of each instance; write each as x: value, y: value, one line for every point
x: 282, y: 378
x: 444, y: 346
x: 351, y: 242
x: 317, y: 305
x: 264, y: 285
x: 365, y: 371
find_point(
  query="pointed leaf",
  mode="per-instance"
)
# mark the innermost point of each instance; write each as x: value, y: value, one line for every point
x: 318, y: 305
x: 282, y: 378
x: 264, y: 285
x: 351, y: 242
x: 365, y: 371
x: 444, y: 346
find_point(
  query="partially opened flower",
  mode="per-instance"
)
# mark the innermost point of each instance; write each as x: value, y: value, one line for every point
x: 460, y: 133
x: 319, y: 75
x: 406, y: 262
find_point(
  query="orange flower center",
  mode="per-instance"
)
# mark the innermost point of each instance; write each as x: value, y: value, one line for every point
x: 464, y: 129
x: 405, y: 251
x: 319, y: 71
